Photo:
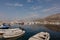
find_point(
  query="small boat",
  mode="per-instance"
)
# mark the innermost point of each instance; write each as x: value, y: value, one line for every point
x: 11, y: 34
x: 41, y: 36
x: 4, y: 26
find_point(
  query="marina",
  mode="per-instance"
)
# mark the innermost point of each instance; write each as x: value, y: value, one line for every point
x: 29, y: 19
x: 29, y: 31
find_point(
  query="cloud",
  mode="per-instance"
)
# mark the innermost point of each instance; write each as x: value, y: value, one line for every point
x: 48, y: 0
x: 51, y: 10
x: 3, y: 16
x: 15, y: 4
x: 36, y: 7
x: 31, y: 15
x: 29, y: 0
x: 43, y: 0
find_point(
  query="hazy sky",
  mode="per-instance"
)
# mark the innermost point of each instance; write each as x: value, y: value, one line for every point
x: 20, y: 9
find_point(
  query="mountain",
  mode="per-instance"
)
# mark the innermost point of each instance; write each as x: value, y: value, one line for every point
x: 54, y: 17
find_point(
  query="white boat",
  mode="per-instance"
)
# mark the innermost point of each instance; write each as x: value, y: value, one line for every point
x: 41, y: 36
x: 11, y: 34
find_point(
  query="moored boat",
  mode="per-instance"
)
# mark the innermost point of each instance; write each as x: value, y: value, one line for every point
x: 4, y: 26
x: 11, y: 34
x: 41, y: 36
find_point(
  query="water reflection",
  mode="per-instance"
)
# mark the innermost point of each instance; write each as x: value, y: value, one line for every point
x: 53, y: 27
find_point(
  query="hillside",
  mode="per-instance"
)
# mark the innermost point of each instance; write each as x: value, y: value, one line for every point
x: 54, y: 17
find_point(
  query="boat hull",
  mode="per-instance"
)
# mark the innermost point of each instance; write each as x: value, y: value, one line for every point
x: 41, y: 36
x: 11, y: 34
x: 14, y: 38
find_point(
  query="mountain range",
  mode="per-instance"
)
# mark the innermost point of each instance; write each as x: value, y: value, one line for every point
x: 55, y: 17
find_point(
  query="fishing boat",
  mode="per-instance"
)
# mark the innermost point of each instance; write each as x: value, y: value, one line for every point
x: 40, y: 36
x: 10, y: 33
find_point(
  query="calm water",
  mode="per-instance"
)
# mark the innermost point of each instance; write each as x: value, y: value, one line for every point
x: 33, y: 29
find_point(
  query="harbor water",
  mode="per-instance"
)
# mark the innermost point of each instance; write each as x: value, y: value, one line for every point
x: 31, y: 30
x: 34, y: 29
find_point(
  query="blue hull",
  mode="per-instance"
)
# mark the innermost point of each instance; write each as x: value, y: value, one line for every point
x: 4, y: 28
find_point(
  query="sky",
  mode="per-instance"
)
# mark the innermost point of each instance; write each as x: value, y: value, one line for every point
x: 26, y: 9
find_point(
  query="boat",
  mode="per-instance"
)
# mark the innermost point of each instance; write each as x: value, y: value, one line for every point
x: 4, y: 26
x: 41, y: 36
x: 11, y: 34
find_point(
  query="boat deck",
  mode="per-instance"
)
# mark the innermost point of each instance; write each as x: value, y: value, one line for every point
x: 7, y: 33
